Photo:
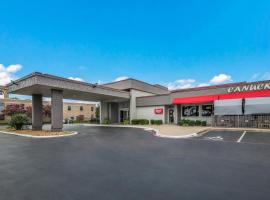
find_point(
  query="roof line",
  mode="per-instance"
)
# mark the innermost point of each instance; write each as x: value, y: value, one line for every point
x: 208, y: 87
x: 64, y: 79
x: 219, y: 86
x: 137, y: 81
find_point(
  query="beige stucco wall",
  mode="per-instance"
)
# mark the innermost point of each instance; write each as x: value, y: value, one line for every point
x: 149, y: 113
x: 74, y: 112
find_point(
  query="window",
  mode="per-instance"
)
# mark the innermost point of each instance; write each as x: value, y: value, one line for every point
x: 207, y: 110
x: 81, y: 108
x: 188, y: 111
x: 92, y: 108
x: 69, y: 108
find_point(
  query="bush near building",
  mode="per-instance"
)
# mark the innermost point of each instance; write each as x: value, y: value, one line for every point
x: 79, y: 119
x: 94, y: 121
x: 140, y: 122
x: 156, y: 122
x: 107, y: 121
x: 12, y: 109
x: 187, y: 122
x: 126, y: 121
x: 17, y: 121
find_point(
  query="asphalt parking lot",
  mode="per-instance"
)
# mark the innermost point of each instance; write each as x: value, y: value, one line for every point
x: 126, y: 163
x: 252, y: 137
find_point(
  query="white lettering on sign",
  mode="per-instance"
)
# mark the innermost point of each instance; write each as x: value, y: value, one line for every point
x: 251, y: 87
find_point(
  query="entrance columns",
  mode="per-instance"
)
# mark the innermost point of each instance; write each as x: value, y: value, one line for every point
x: 103, y: 111
x: 57, y: 110
x: 37, y: 112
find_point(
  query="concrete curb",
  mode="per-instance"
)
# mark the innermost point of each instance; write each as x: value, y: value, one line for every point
x: 155, y: 132
x: 32, y: 136
x: 178, y: 136
x: 152, y: 130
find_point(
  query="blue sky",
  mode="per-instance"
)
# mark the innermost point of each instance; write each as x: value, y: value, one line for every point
x: 176, y: 43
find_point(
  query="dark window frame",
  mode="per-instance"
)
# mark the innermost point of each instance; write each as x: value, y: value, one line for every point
x: 190, y: 107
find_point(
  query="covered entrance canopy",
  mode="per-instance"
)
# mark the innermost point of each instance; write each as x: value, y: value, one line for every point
x: 44, y: 85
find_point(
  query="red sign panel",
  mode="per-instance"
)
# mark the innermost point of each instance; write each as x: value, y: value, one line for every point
x: 159, y: 111
x: 207, y: 98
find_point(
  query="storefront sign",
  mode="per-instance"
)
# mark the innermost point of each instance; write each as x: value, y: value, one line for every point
x: 250, y: 87
x: 159, y: 111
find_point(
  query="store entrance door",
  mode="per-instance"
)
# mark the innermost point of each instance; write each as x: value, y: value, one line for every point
x: 124, y: 114
x: 171, y: 116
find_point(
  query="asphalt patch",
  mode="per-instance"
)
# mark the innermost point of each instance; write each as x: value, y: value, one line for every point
x: 221, y: 135
x: 257, y: 137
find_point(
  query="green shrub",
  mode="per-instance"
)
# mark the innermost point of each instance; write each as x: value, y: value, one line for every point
x: 79, y: 118
x: 107, y: 121
x: 204, y: 123
x: 187, y: 122
x: 140, y: 121
x: 156, y: 122
x: 94, y: 121
x: 198, y: 122
x: 18, y: 120
x: 191, y: 123
x: 126, y: 121
x: 184, y: 122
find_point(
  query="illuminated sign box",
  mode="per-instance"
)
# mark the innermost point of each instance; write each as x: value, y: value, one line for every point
x: 159, y: 111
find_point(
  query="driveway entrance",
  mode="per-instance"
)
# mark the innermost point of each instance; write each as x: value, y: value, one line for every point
x: 129, y: 163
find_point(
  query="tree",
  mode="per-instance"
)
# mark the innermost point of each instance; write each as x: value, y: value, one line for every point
x: 12, y: 109
x: 97, y: 112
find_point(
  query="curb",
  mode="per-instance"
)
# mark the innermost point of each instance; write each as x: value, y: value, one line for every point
x: 152, y: 130
x: 178, y: 136
x: 155, y: 132
x: 31, y: 136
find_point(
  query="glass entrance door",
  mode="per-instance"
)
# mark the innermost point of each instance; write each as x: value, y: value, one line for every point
x: 124, y: 114
x: 171, y: 116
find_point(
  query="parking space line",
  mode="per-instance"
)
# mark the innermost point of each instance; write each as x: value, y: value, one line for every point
x: 244, y: 133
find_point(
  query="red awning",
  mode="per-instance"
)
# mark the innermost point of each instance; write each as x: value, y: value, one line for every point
x: 195, y: 99
x: 209, y: 98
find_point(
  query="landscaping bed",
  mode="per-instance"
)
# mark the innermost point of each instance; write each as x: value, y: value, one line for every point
x: 39, y: 133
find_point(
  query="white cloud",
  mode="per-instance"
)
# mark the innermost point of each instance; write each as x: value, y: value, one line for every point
x: 121, y: 78
x: 100, y: 82
x: 2, y: 68
x: 14, y: 68
x: 76, y: 79
x: 266, y: 76
x: 221, y: 78
x: 185, y: 81
x: 203, y: 84
x: 181, y: 84
x: 260, y: 76
x: 255, y: 76
x: 7, y: 73
x: 192, y: 83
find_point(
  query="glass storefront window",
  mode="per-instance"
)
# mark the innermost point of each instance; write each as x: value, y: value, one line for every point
x: 207, y: 110
x: 188, y: 111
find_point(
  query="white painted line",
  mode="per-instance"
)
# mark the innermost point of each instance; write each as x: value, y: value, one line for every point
x: 244, y: 133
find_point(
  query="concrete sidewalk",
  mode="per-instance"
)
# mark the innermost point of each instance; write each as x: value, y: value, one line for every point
x: 175, y: 131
